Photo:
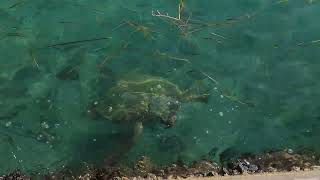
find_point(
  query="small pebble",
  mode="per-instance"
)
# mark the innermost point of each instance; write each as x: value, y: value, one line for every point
x: 221, y: 114
x: 8, y: 124
x: 296, y: 168
x: 290, y: 151
x: 45, y: 125
x: 39, y: 137
x: 96, y: 103
x: 151, y: 176
x: 221, y: 96
x: 110, y: 109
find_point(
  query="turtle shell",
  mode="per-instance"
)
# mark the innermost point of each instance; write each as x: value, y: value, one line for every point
x: 146, y: 99
x: 149, y: 99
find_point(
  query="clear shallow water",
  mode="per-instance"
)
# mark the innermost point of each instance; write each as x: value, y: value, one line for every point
x: 261, y: 52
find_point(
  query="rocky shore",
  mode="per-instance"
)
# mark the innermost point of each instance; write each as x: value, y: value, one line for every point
x: 277, y: 161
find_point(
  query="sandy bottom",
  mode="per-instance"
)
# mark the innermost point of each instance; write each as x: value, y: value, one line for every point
x: 301, y: 175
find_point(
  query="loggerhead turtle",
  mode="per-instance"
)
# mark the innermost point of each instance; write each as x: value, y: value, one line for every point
x: 147, y: 99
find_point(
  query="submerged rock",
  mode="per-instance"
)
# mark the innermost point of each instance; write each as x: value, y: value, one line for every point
x: 16, y: 175
x: 279, y: 161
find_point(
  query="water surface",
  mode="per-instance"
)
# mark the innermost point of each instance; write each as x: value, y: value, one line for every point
x: 258, y: 58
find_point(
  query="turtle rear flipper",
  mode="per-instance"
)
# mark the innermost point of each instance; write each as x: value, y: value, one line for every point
x: 191, y: 95
x: 204, y: 98
x: 197, y: 92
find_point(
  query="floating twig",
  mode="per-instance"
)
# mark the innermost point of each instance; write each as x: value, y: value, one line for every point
x: 34, y: 60
x: 309, y: 43
x: 120, y: 25
x: 13, y: 34
x: 236, y: 99
x: 209, y: 77
x: 218, y: 35
x: 180, y: 9
x: 16, y: 4
x: 146, y: 31
x: 104, y: 61
x: 159, y: 14
x: 165, y: 55
x: 77, y: 42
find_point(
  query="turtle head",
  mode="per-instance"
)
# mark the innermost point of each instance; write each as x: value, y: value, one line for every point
x: 170, y: 120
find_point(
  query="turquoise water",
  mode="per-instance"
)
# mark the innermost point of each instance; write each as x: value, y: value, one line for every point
x: 259, y: 59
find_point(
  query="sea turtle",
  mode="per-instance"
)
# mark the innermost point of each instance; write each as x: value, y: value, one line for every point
x: 144, y: 99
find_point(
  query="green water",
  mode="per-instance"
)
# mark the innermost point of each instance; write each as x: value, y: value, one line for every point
x: 263, y: 54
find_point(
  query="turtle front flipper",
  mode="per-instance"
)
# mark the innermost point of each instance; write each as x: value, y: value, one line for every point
x: 137, y: 131
x: 126, y: 146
